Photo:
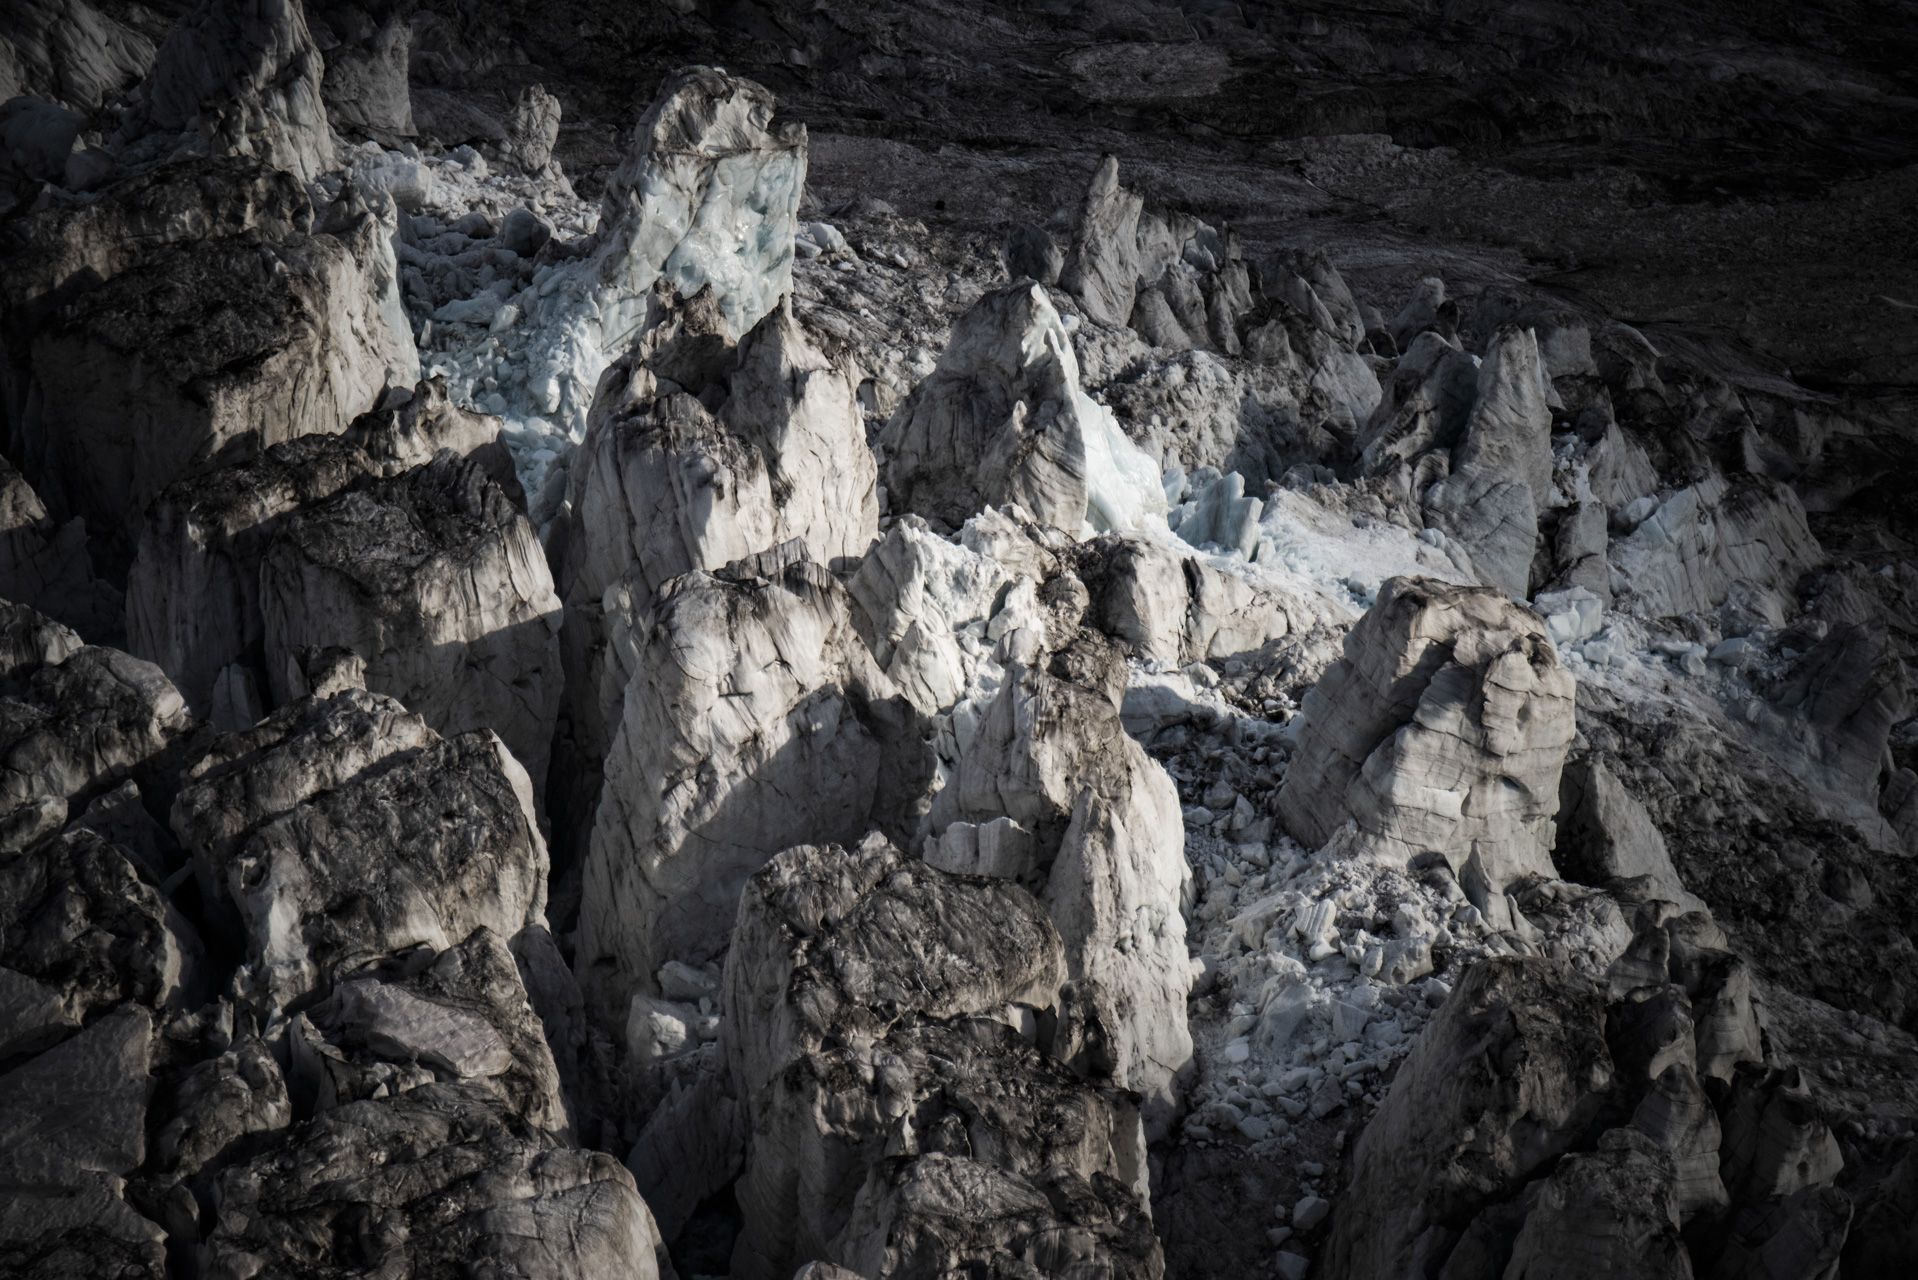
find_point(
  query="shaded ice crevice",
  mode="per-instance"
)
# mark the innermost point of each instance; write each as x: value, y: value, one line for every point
x: 527, y: 351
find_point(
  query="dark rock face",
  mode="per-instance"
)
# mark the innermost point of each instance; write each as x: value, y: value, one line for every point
x: 45, y: 565
x: 1564, y: 1131
x: 366, y: 49
x: 85, y: 933
x: 298, y: 851
x: 223, y: 1109
x: 1518, y: 1062
x: 450, y: 1181
x: 79, y: 720
x: 1770, y: 885
x: 186, y: 323
x: 955, y: 1136
x: 122, y: 1142
x: 72, y: 54
x: 248, y: 76
x: 71, y: 1127
x: 464, y: 1016
x: 75, y: 246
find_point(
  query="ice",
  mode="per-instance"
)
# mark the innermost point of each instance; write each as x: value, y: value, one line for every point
x: 1737, y: 652
x: 1635, y: 513
x: 1122, y: 482
x: 825, y: 237
x: 479, y: 309
x: 1606, y: 649
x: 407, y: 179
x: 1308, y: 547
x: 708, y: 195
x: 1124, y: 489
x: 1571, y: 616
x: 1220, y: 516
x: 735, y: 234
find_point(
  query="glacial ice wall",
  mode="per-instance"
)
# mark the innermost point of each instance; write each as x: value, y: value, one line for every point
x: 708, y: 194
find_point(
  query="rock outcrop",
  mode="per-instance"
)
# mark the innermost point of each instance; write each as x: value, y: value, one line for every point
x: 222, y: 1110
x: 436, y: 580
x: 693, y: 1145
x: 1102, y: 267
x: 243, y: 77
x: 1103, y: 845
x: 194, y: 589
x: 1310, y: 282
x: 1839, y: 703
x: 1500, y: 1084
x: 72, y: 1127
x: 1443, y: 729
x: 1885, y: 1232
x: 1501, y: 472
x: 756, y: 719
x: 1606, y: 838
x: 81, y: 720
x: 190, y: 199
x: 365, y: 48
x: 532, y: 127
x: 1178, y: 609
x: 342, y: 829
x: 463, y: 1017
x: 1602, y: 1213
x: 1184, y: 285
x: 193, y: 593
x: 203, y: 349
x: 29, y: 641
x: 924, y: 1013
x: 1683, y: 551
x: 408, y: 426
x: 435, y: 1179
x: 1196, y: 292
x: 81, y: 934
x: 1003, y: 419
x: 1425, y: 405
x: 1549, y: 1125
x: 386, y: 889
x: 668, y: 484
x: 699, y: 453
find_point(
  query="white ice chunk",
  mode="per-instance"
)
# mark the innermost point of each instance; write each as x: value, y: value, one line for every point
x: 1571, y: 615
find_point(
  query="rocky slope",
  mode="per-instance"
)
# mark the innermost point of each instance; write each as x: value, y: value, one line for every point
x: 1076, y: 639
